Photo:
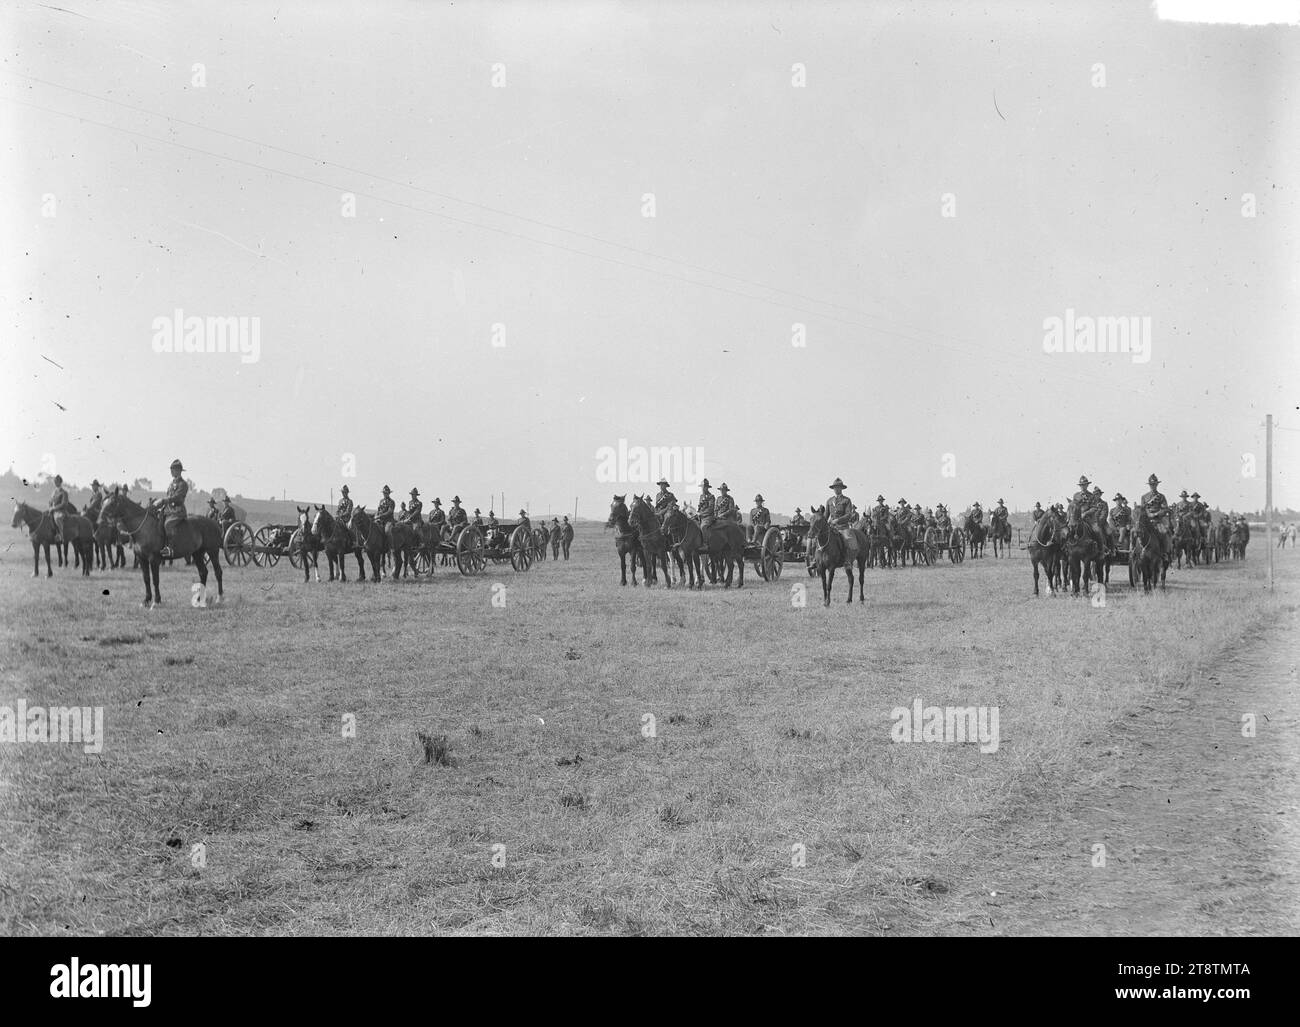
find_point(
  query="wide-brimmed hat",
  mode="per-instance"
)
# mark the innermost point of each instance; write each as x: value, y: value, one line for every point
x: 1196, y: 495
x: 523, y: 512
x: 880, y: 499
x: 415, y: 492
x: 437, y: 501
x: 94, y: 483
x: 798, y: 509
x: 1183, y: 494
x: 477, y: 510
x: 705, y: 484
x: 838, y: 483
x: 1117, y: 497
x: 344, y: 490
x: 225, y: 499
x: 1153, y: 480
x: 723, y: 487
x: 663, y: 482
x: 387, y: 490
x: 758, y: 498
x: 1001, y: 500
x: 1096, y: 490
x: 211, y: 501
x: 455, y: 499
x: 176, y: 465
x: 58, y: 479
x: 1083, y: 480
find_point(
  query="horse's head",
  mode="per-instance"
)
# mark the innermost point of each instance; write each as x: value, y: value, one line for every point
x: 322, y: 524
x: 18, y: 514
x: 617, y: 510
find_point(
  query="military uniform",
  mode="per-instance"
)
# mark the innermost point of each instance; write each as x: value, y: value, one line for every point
x: 386, y: 510
x: 437, y: 518
x: 227, y: 516
x: 413, y: 509
x: 664, y: 499
x: 725, y: 508
x: 478, y: 517
x: 59, y: 505
x: 1037, y: 512
x: 96, y: 500
x: 524, y: 520
x: 1000, y: 511
x: 704, y: 511
x: 798, y: 519
x: 942, y: 520
x: 839, y: 508
x: 457, y: 517
x: 344, y: 510
x: 977, y: 514
x: 1157, y: 511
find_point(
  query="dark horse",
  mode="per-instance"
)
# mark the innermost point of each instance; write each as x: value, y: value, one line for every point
x: 197, y: 537
x: 368, y: 536
x: 1046, y: 541
x: 686, y: 540
x: 77, y: 531
x: 1147, y: 553
x: 654, y: 546
x: 839, y: 549
x: 1085, y: 548
x: 976, y: 533
x: 337, y: 541
x: 1000, y: 531
x: 625, y: 539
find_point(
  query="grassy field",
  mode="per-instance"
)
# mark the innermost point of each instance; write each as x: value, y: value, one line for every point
x: 769, y: 796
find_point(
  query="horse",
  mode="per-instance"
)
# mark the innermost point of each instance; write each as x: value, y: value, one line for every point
x: 199, y: 537
x: 625, y: 539
x: 654, y: 546
x: 976, y: 533
x: 1147, y: 554
x: 77, y: 531
x: 1000, y: 531
x: 1186, y: 540
x: 368, y: 537
x: 836, y: 548
x: 686, y: 541
x: 1085, y: 547
x: 337, y: 542
x: 1046, y: 540
x: 311, y: 545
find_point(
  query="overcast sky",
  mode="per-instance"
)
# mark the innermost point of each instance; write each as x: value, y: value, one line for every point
x: 1112, y: 192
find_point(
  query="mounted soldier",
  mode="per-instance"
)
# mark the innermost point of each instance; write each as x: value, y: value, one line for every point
x: 385, y: 512
x: 1000, y: 512
x: 1037, y: 511
x: 1184, y: 507
x: 704, y: 511
x: 977, y: 513
x: 760, y: 518
x: 60, y: 507
x: 941, y: 519
x: 96, y: 501
x: 839, y: 508
x: 413, y: 509
x: 343, y: 512
x: 1157, y: 511
x: 725, y: 508
x: 664, y: 499
x: 173, y: 506
x: 798, y: 519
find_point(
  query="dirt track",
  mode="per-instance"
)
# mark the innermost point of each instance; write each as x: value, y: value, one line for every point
x: 1200, y: 824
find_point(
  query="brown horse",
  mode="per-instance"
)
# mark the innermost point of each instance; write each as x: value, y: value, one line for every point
x: 1146, y: 553
x: 1085, y: 548
x: 625, y: 539
x: 337, y: 541
x: 686, y: 541
x: 77, y: 531
x: 1046, y: 541
x: 654, y: 547
x: 197, y: 537
x: 1000, y: 532
x: 835, y: 549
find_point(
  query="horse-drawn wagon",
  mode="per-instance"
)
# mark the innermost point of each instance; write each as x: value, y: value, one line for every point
x: 264, y: 547
x: 769, y: 551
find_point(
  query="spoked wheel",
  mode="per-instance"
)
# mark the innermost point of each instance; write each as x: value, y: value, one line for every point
x: 772, y: 555
x: 521, y: 549
x: 265, y: 551
x: 470, y: 555
x: 931, y: 547
x: 295, y: 549
x: 1132, y: 568
x: 423, y: 560
x: 237, y: 544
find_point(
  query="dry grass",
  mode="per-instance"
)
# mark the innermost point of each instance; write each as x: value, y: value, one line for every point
x: 502, y: 778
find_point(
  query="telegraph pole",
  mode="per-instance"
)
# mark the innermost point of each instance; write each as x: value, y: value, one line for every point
x: 1268, y: 494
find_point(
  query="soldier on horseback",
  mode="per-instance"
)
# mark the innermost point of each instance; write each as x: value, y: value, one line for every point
x: 704, y: 511
x: 386, y: 510
x: 1157, y: 511
x: 413, y: 509
x: 977, y: 514
x: 839, y: 508
x: 664, y: 499
x: 942, y: 521
x: 1000, y: 511
x: 96, y: 500
x: 760, y: 518
x: 1037, y: 511
x: 725, y: 508
x: 798, y: 519
x: 60, y: 507
x: 343, y: 511
x: 173, y: 505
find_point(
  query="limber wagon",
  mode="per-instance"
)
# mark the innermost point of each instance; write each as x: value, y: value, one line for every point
x: 264, y: 547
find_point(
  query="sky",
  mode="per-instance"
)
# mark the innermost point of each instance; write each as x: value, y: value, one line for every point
x: 921, y: 188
